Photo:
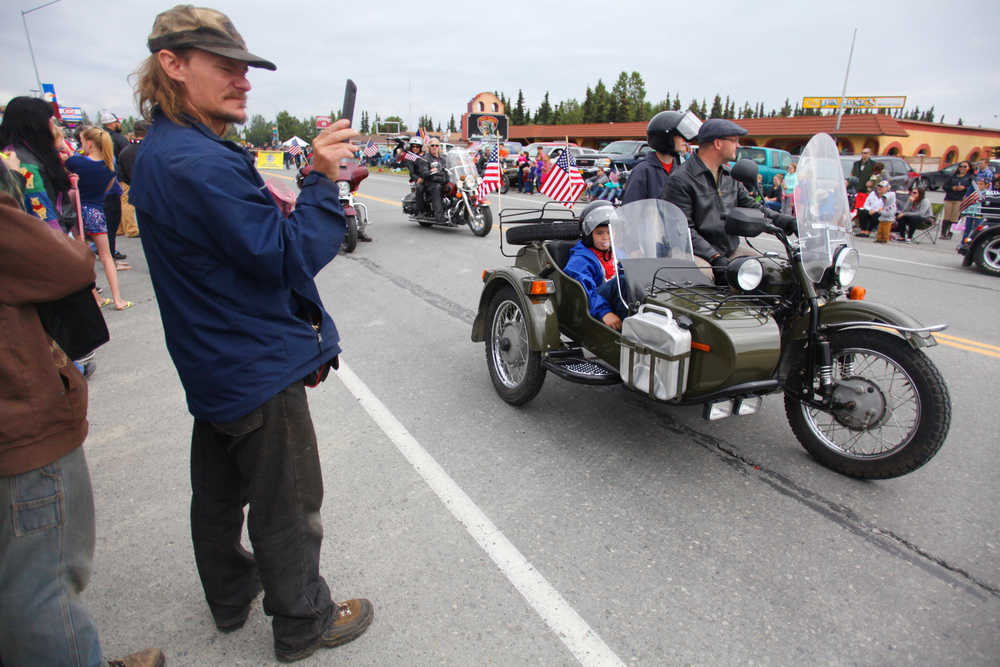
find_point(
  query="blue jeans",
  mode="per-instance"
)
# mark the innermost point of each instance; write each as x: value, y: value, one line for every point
x: 46, y: 550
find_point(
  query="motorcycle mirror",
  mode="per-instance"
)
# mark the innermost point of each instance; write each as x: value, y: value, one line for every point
x: 748, y: 222
x: 745, y: 171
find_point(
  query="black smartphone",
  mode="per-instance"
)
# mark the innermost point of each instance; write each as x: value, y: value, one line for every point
x: 350, y: 92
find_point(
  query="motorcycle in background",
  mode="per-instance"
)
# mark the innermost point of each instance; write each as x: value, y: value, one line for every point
x: 460, y: 200
x: 352, y: 172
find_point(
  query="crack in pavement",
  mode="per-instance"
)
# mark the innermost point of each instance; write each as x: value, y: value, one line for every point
x: 894, y: 545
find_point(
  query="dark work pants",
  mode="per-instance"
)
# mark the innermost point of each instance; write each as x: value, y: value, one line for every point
x: 434, y: 190
x: 269, y: 460
x: 113, y: 214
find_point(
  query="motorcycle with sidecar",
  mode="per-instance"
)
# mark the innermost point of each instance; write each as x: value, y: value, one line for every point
x: 860, y: 393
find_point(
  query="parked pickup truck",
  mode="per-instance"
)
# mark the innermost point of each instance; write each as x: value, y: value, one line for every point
x: 770, y: 161
x: 621, y: 155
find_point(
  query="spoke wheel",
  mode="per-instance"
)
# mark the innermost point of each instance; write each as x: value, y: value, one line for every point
x: 480, y: 222
x: 891, y: 408
x: 516, y: 370
x: 988, y: 256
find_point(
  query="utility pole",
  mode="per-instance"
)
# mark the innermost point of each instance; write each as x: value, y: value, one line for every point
x: 843, y: 93
x: 31, y: 50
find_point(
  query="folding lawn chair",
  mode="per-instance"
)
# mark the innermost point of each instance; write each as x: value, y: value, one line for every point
x: 931, y: 231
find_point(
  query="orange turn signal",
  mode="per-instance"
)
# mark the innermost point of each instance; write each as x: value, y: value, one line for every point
x: 486, y: 272
x: 541, y: 287
x: 458, y: 195
x: 701, y: 346
x: 856, y: 294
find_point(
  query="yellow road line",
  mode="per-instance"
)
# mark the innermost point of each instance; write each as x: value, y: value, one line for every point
x: 974, y: 343
x: 379, y: 199
x: 969, y: 348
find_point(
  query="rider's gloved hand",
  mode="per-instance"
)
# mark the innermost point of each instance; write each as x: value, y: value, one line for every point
x: 787, y: 223
x: 719, y: 264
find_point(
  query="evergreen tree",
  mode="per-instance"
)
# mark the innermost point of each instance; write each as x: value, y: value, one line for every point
x: 517, y: 114
x: 786, y: 110
x: 365, y: 129
x: 621, y: 105
x: 602, y: 104
x: 543, y: 116
x: 587, y: 108
x: 452, y: 126
x: 703, y: 109
x: 438, y: 128
x: 677, y: 102
x: 694, y: 107
x: 716, y: 111
x: 637, y: 97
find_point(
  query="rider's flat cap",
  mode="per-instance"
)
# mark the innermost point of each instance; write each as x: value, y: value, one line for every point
x: 717, y: 128
x: 186, y: 26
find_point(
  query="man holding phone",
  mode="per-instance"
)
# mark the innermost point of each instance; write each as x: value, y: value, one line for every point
x: 245, y: 327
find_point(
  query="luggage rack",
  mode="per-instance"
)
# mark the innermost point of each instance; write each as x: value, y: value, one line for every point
x: 717, y: 301
x: 550, y: 213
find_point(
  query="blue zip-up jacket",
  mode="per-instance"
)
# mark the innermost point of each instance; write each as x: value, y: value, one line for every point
x: 584, y: 267
x: 233, y: 277
x: 646, y: 180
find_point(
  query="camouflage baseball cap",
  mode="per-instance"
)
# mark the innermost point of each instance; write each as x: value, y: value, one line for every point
x: 187, y: 26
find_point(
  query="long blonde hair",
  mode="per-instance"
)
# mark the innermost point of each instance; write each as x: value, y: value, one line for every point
x: 153, y: 88
x: 102, y: 140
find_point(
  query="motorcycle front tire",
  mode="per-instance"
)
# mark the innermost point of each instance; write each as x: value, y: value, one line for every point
x: 903, y: 362
x: 351, y: 237
x: 487, y: 221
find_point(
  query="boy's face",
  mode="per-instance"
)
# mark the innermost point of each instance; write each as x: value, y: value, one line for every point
x: 602, y: 238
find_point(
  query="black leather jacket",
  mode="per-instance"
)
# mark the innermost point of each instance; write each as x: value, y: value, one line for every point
x: 432, y: 169
x: 692, y: 188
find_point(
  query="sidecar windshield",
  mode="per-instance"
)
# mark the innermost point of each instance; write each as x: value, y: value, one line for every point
x: 650, y: 237
x: 460, y: 166
x: 821, y: 208
x: 650, y: 229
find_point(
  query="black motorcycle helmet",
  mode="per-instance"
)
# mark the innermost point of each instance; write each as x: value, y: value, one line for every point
x: 664, y: 126
x: 595, y: 215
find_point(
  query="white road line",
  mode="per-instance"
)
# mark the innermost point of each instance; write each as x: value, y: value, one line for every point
x: 563, y: 620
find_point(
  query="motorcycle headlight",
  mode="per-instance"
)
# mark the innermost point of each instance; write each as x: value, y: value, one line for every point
x: 344, y: 188
x: 745, y: 273
x: 845, y: 266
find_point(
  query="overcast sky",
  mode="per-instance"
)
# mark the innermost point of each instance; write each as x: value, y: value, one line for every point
x: 413, y: 58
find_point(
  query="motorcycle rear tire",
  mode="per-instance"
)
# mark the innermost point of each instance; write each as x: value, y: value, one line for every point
x: 933, y: 409
x: 351, y: 237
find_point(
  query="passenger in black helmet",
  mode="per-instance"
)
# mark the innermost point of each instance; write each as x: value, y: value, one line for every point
x: 592, y: 264
x: 667, y: 134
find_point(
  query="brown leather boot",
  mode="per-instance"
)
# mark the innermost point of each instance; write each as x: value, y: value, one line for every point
x: 151, y: 657
x: 350, y: 620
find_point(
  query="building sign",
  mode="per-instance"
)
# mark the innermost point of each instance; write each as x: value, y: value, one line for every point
x: 897, y: 102
x: 487, y: 127
x: 270, y: 159
x: 323, y: 121
x: 71, y: 114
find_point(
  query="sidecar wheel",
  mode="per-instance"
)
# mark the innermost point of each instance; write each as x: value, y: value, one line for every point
x: 896, y: 410
x: 484, y: 225
x: 516, y: 370
x: 351, y: 237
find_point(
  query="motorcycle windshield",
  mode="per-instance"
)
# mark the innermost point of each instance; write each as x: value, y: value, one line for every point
x: 821, y: 208
x: 461, y: 166
x: 648, y: 236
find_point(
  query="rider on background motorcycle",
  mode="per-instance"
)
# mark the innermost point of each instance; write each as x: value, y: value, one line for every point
x: 432, y: 175
x: 667, y: 134
x: 703, y: 188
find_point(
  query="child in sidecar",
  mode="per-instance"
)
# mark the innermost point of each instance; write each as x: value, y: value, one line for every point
x: 592, y: 264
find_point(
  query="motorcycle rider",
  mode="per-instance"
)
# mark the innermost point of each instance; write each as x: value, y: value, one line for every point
x: 591, y: 263
x: 703, y: 188
x: 432, y: 175
x: 667, y: 134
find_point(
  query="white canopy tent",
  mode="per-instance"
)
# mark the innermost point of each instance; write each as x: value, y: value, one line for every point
x: 295, y: 141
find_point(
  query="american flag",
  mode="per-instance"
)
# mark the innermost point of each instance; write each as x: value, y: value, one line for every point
x: 294, y: 150
x: 410, y: 156
x: 491, y: 177
x: 970, y: 199
x: 370, y: 150
x: 564, y: 183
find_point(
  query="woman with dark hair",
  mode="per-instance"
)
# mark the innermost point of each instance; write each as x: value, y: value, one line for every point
x: 30, y: 131
x: 916, y: 210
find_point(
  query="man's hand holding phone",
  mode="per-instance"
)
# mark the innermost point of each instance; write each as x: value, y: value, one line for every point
x: 333, y: 145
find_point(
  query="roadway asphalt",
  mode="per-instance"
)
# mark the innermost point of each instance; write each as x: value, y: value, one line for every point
x: 589, y: 526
